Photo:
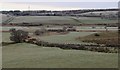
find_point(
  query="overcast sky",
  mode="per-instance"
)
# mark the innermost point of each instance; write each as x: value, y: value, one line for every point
x: 57, y: 5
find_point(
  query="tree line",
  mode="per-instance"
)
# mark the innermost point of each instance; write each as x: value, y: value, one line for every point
x: 52, y: 13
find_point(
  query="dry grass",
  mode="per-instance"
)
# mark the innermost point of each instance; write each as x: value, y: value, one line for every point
x: 103, y: 38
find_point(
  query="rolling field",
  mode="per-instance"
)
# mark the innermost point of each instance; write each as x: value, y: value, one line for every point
x: 0, y: 57
x: 94, y: 20
x: 61, y: 20
x: 24, y: 55
x: 44, y: 20
x: 5, y: 37
x: 56, y: 20
x: 99, y: 12
x: 67, y: 38
x: 103, y: 38
x: 3, y: 17
x: 6, y: 18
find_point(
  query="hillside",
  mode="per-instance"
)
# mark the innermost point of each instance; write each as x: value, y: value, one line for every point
x: 31, y: 56
x: 102, y: 38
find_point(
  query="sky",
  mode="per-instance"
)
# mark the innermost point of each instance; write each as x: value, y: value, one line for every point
x: 57, y: 5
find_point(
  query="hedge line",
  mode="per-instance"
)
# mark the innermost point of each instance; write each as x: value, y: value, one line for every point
x: 96, y: 48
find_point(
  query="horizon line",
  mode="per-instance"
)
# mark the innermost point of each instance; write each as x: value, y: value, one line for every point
x: 56, y: 10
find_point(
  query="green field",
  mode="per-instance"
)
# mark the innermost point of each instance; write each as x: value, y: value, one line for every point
x: 23, y: 55
x: 44, y: 20
x: 5, y: 37
x: 0, y: 57
x: 94, y: 20
x: 67, y: 38
x: 6, y: 18
x: 32, y: 56
x: 60, y: 20
x: 56, y: 20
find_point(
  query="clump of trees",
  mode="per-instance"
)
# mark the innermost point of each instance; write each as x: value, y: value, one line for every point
x: 18, y: 36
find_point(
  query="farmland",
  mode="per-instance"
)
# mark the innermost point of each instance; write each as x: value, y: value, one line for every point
x: 103, y: 38
x: 6, y: 18
x: 95, y: 20
x: 60, y: 20
x: 55, y: 20
x: 67, y: 38
x: 44, y: 20
x: 54, y: 57
x: 5, y: 37
x: 32, y: 56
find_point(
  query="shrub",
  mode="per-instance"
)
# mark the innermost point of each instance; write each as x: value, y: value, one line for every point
x: 18, y: 36
x: 97, y: 34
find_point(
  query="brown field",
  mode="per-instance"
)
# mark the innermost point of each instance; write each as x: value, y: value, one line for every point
x: 108, y: 38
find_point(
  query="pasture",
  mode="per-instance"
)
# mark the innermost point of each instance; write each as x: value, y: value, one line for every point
x: 61, y: 20
x: 44, y: 20
x: 23, y: 55
x: 94, y: 20
x: 56, y: 20
x: 5, y: 37
x: 67, y: 38
x: 6, y: 18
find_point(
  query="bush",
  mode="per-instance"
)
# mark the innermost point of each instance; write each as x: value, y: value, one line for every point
x: 18, y: 36
x: 97, y: 34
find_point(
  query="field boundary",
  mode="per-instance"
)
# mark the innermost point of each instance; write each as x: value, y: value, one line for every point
x: 90, y: 47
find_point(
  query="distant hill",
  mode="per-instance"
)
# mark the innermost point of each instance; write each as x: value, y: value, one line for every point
x: 53, y: 13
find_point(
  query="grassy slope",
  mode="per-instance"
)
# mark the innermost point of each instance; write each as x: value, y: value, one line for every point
x: 94, y: 20
x: 31, y: 56
x: 44, y: 19
x: 0, y: 57
x: 68, y: 38
x: 60, y: 20
x: 5, y: 37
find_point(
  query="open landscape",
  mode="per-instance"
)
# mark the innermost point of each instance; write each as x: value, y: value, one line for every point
x: 34, y: 56
x: 60, y: 39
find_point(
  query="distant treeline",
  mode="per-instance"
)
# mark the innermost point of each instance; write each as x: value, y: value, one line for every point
x: 52, y: 13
